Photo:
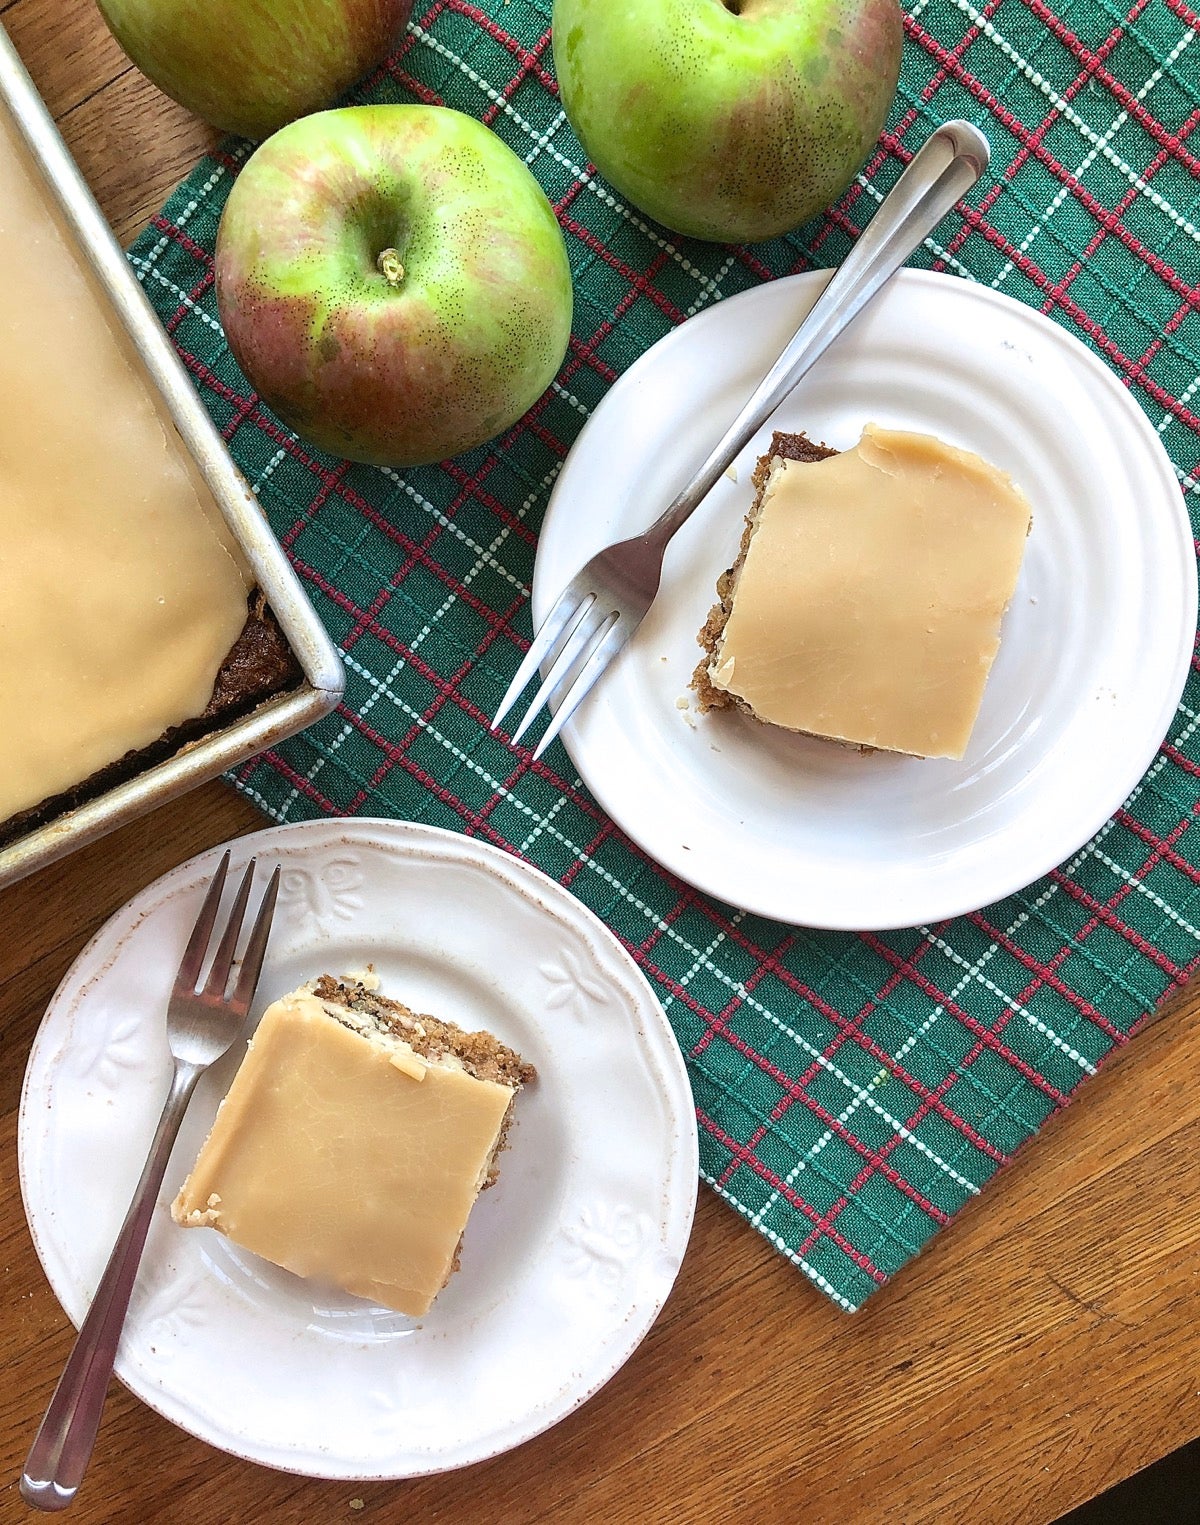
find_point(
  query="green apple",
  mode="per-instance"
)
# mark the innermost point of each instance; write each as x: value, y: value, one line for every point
x: 732, y: 120
x: 249, y: 66
x: 393, y: 282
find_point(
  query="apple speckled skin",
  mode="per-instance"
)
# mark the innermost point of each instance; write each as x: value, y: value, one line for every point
x: 393, y: 282
x: 729, y: 120
x: 249, y: 66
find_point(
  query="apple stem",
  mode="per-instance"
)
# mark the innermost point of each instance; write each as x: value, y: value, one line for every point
x: 390, y: 267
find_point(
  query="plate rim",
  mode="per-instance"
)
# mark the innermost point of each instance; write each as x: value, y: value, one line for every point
x: 677, y: 1215
x: 678, y: 862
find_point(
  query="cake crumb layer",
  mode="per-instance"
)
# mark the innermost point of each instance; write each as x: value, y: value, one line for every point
x: 480, y: 1053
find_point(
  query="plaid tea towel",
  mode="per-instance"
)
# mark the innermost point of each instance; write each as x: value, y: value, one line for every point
x: 852, y: 1092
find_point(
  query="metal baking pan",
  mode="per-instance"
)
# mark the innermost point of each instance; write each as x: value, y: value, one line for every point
x: 323, y: 678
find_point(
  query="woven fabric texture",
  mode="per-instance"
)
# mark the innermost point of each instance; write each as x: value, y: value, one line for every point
x: 852, y: 1091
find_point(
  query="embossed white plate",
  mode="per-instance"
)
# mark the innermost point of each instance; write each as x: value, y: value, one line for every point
x: 1096, y: 643
x: 566, y: 1260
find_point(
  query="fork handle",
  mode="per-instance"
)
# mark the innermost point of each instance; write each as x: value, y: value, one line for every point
x: 63, y: 1444
x: 943, y: 170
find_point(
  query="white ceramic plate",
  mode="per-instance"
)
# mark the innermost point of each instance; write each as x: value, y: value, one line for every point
x: 566, y: 1260
x: 1095, y: 647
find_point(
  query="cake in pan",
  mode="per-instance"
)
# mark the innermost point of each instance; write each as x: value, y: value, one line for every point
x: 129, y: 622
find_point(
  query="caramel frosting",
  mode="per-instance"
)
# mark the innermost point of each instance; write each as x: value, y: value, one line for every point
x: 869, y: 602
x: 347, y: 1157
x: 121, y: 590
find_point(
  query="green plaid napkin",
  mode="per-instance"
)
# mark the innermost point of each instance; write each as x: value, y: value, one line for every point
x: 852, y: 1092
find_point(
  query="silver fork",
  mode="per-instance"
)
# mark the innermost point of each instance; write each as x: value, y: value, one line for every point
x: 597, y: 612
x: 201, y: 1025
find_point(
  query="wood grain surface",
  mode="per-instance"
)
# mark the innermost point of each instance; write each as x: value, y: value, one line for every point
x: 1043, y: 1348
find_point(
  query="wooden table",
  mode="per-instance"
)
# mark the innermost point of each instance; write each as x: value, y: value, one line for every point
x: 1042, y: 1349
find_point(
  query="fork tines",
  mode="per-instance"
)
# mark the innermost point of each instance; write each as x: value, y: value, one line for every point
x: 187, y: 979
x: 582, y: 635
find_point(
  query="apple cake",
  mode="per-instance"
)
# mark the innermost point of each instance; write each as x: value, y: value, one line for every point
x: 354, y: 1141
x: 866, y: 599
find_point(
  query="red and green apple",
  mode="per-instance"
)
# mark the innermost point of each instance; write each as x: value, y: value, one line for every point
x: 393, y: 282
x: 249, y: 66
x: 732, y: 120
